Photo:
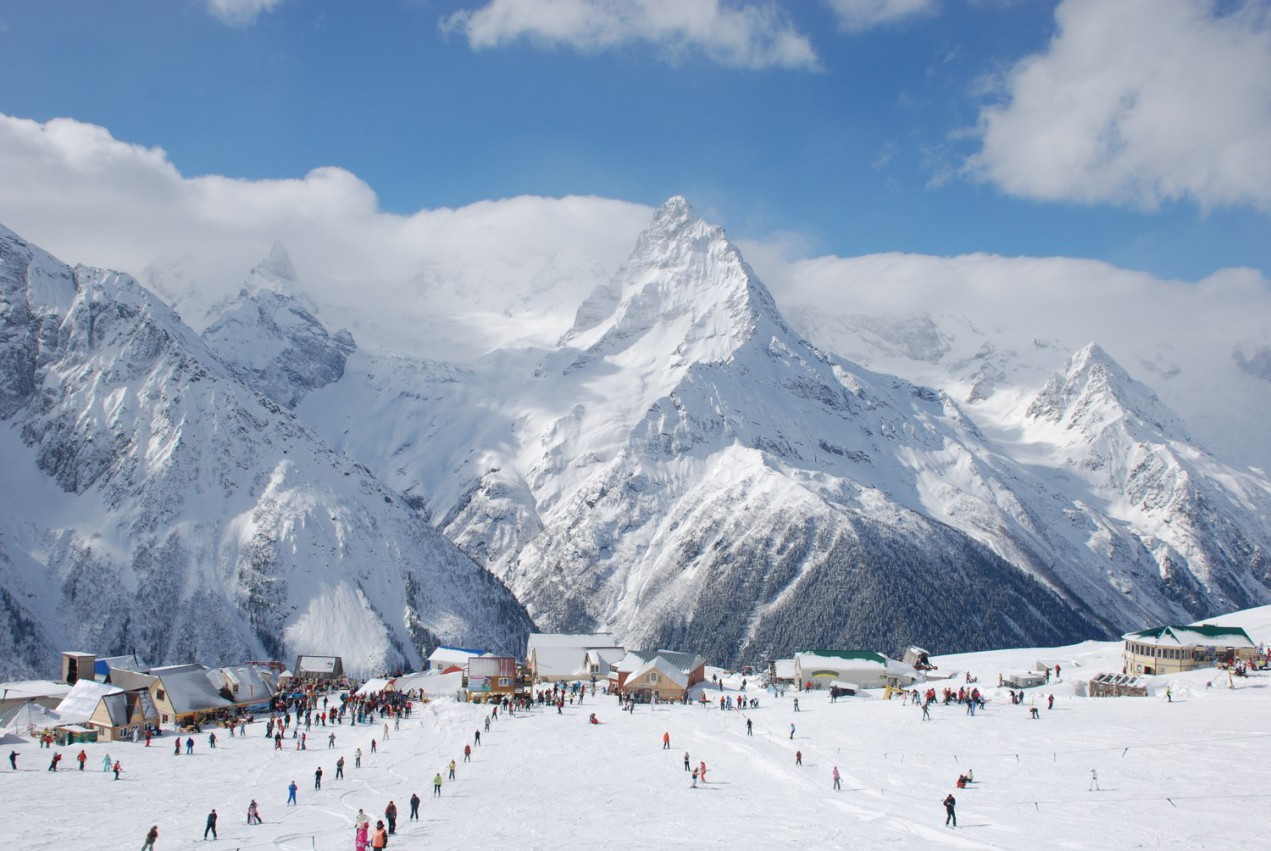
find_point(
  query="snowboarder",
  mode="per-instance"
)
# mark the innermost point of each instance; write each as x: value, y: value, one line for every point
x: 950, y: 816
x: 253, y: 813
x: 211, y: 825
x: 317, y: 778
x: 838, y: 786
x: 390, y: 813
x: 436, y: 785
x: 1094, y: 781
x: 291, y: 794
x: 151, y: 835
x: 414, y: 806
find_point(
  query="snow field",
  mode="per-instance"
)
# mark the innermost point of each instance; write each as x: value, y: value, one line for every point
x: 1181, y: 774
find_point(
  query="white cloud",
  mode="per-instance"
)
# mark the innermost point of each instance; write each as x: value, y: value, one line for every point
x: 752, y: 36
x: 240, y: 13
x: 860, y: 15
x: 1139, y: 102
x: 86, y: 197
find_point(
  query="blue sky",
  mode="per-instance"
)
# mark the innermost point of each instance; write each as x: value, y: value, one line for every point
x: 844, y: 127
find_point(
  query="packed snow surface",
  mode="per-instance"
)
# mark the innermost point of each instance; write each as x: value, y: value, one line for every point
x: 1176, y: 773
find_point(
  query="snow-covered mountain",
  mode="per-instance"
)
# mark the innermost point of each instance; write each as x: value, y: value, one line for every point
x: 677, y: 464
x: 684, y: 469
x: 155, y: 502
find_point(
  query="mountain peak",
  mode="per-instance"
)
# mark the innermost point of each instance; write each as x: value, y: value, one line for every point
x: 277, y: 266
x: 1093, y: 391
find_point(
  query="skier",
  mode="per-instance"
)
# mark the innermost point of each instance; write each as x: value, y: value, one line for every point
x: 379, y: 839
x: 317, y: 778
x: 701, y: 771
x: 414, y: 807
x: 436, y: 785
x: 189, y: 745
x: 253, y: 813
x: 372, y: 746
x: 950, y: 816
x: 359, y: 837
x: 798, y: 757
x: 796, y: 704
x: 13, y: 760
x: 211, y: 741
x: 666, y: 741
x: 1050, y: 701
x: 117, y: 768
x: 211, y: 825
x: 339, y: 768
x: 838, y: 786
x: 390, y: 813
x: 694, y: 778
x: 791, y: 731
x: 151, y: 836
x: 330, y: 741
x: 57, y: 757
x: 476, y: 739
x: 749, y: 725
x: 452, y: 773
x: 81, y: 759
x: 686, y: 761
x: 357, y: 758
x: 291, y: 794
x: 467, y: 753
x: 176, y: 751
x: 1094, y: 781
x: 107, y: 762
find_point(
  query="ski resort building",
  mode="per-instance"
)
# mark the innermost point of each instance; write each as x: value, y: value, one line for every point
x: 451, y: 657
x: 556, y: 657
x: 184, y: 694
x: 660, y: 674
x: 113, y: 713
x: 817, y: 669
x: 319, y: 668
x: 1174, y: 649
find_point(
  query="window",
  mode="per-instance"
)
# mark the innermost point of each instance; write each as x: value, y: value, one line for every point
x: 653, y: 677
x: 158, y: 693
x: 503, y: 681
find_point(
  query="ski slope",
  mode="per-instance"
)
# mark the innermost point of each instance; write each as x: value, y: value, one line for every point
x: 1179, y: 773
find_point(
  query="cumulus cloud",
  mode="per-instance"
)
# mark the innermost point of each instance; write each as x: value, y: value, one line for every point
x: 1139, y: 102
x: 860, y: 15
x: 78, y: 192
x: 240, y: 13
x: 751, y: 36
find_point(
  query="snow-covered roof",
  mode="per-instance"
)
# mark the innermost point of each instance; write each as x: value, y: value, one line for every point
x: 130, y: 662
x: 189, y: 690
x: 444, y: 657
x: 78, y: 706
x: 316, y: 664
x: 19, y: 718
x: 664, y: 667
x: 603, y: 658
x: 634, y: 660
x: 578, y: 641
x: 560, y: 662
x: 31, y: 689
x: 784, y: 669
x: 1193, y: 635
x: 254, y: 684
